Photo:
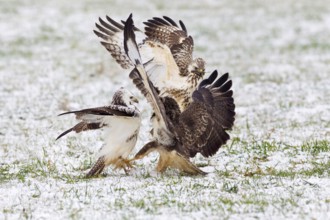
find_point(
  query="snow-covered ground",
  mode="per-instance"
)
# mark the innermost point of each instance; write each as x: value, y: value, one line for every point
x: 276, y: 166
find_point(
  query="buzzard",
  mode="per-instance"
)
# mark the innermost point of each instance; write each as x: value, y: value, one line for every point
x: 180, y: 135
x: 121, y: 123
x: 167, y: 53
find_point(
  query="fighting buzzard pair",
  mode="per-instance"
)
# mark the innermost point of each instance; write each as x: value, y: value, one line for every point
x: 190, y: 116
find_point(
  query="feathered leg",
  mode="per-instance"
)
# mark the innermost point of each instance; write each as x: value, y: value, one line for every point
x: 145, y: 150
x: 124, y: 164
x: 169, y: 159
x: 97, y: 168
x: 163, y: 163
x: 175, y: 160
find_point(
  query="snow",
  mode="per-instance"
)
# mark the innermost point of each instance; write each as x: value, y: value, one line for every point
x: 277, y: 54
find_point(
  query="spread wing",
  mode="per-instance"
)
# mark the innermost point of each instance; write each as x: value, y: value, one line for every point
x: 112, y: 34
x: 139, y: 75
x: 202, y: 126
x: 95, y: 118
x: 158, y: 60
x: 166, y: 31
x: 162, y: 69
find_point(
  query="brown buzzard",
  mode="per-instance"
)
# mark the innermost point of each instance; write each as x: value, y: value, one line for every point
x: 200, y: 128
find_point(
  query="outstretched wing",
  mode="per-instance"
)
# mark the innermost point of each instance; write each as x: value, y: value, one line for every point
x: 166, y: 31
x: 112, y: 34
x: 95, y: 118
x: 139, y: 74
x: 202, y: 126
x: 158, y: 59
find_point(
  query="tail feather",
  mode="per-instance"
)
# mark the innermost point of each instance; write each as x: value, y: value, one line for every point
x: 64, y: 133
x: 81, y: 126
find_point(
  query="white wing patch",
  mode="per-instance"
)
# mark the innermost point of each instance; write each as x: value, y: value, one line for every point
x: 162, y: 70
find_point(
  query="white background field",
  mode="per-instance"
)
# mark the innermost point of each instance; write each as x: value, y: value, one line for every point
x: 276, y: 165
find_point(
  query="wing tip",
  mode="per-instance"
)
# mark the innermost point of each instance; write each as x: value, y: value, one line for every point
x: 130, y: 45
x: 209, y: 80
x: 183, y: 27
x: 64, y: 133
x: 64, y: 113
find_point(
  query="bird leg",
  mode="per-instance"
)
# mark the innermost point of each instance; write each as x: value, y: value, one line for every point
x: 163, y: 162
x: 101, y: 163
x: 97, y: 168
x: 124, y: 164
x: 127, y: 163
x: 175, y: 160
x: 145, y: 150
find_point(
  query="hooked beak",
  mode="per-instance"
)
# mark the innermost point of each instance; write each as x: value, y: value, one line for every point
x: 199, y: 72
x: 135, y: 100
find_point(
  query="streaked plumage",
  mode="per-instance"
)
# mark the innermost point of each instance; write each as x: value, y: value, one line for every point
x: 166, y: 31
x: 166, y: 53
x: 200, y: 128
x: 112, y: 34
x: 121, y: 123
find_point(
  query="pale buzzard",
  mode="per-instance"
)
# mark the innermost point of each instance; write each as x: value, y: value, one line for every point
x: 121, y: 123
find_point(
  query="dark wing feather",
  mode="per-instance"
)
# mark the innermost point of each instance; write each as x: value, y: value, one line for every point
x: 91, y: 118
x: 166, y: 31
x: 202, y: 94
x: 112, y: 32
x: 182, y: 54
x: 168, y: 19
x: 202, y: 126
x: 81, y: 126
x: 208, y: 81
x: 106, y: 110
x: 193, y: 129
x: 221, y: 80
x: 139, y: 75
x: 183, y: 27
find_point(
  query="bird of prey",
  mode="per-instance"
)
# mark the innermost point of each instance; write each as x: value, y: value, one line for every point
x: 200, y: 128
x: 121, y: 123
x: 167, y: 54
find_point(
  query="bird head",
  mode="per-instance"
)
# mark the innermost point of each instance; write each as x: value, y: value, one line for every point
x: 196, y: 71
x: 197, y: 67
x: 124, y: 97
